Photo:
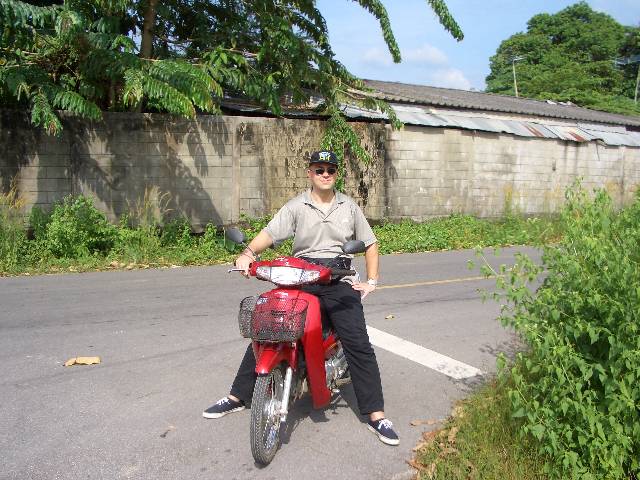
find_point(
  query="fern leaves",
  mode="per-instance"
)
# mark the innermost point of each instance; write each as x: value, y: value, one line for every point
x: 81, y: 56
x: 16, y: 14
x: 42, y: 114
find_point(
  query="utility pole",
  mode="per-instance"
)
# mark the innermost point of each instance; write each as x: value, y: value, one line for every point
x: 513, y: 66
x: 626, y: 61
x: 635, y: 97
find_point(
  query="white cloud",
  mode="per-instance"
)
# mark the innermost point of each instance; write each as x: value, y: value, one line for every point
x: 425, y: 54
x: 425, y: 64
x: 449, y: 78
x: 377, y: 57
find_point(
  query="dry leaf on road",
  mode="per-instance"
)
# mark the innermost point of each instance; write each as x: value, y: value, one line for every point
x: 82, y: 361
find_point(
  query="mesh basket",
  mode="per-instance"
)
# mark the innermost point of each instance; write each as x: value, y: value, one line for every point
x: 247, y: 306
x: 278, y: 319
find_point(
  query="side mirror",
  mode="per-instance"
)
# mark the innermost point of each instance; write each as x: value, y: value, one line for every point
x: 235, y: 235
x: 354, y: 246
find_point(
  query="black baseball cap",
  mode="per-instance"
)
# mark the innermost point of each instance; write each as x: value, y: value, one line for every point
x: 324, y: 156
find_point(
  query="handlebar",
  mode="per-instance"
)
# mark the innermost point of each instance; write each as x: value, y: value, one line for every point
x: 341, y: 272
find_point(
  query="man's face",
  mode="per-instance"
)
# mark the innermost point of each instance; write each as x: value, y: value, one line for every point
x: 322, y: 175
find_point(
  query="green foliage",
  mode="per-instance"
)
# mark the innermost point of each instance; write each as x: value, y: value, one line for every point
x: 576, y: 389
x: 338, y: 136
x: 78, y: 229
x: 480, y: 441
x: 136, y: 244
x: 81, y: 56
x: 77, y: 236
x: 12, y: 234
x: 38, y: 221
x: 570, y: 56
x: 464, y: 231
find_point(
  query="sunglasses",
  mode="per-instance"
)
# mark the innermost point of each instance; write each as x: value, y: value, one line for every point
x: 329, y: 170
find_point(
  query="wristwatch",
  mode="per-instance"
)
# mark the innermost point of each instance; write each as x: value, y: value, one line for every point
x: 373, y: 282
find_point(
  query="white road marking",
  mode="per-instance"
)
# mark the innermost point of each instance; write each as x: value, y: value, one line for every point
x: 434, y: 360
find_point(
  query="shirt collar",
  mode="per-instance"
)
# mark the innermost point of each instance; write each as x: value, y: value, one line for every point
x: 340, y: 197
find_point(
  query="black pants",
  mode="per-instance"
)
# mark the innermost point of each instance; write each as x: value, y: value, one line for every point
x: 343, y: 307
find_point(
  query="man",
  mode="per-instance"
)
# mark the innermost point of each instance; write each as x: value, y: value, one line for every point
x: 320, y: 221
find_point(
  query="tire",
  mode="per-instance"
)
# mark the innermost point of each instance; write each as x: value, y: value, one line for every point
x: 265, y: 416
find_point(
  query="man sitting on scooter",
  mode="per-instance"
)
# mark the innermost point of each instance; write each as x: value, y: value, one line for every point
x: 320, y: 221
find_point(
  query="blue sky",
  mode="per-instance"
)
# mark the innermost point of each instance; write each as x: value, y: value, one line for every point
x: 430, y: 56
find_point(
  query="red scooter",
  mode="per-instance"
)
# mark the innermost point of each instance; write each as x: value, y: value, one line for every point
x: 294, y: 353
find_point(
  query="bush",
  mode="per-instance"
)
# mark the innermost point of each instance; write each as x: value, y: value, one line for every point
x: 78, y: 229
x: 577, y: 388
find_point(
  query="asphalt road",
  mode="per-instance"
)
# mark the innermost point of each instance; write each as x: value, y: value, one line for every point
x: 169, y: 345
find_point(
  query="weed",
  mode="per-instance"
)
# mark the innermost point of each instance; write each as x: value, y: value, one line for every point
x: 479, y: 440
x: 13, y: 237
x: 150, y: 211
x: 77, y: 229
x: 77, y: 232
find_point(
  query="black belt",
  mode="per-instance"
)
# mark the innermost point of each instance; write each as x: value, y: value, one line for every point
x: 342, y: 263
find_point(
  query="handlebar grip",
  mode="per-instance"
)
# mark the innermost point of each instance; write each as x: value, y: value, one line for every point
x: 235, y: 270
x: 341, y: 272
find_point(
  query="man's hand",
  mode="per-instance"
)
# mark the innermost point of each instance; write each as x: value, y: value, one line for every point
x: 364, y: 288
x: 244, y: 262
x: 248, y: 256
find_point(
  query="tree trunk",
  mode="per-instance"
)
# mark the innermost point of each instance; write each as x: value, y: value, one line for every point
x: 146, y: 45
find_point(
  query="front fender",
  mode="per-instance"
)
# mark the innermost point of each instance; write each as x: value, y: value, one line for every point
x: 270, y: 355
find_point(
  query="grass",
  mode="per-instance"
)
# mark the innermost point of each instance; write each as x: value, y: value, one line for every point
x: 479, y: 441
x: 465, y: 231
x: 147, y: 246
x: 75, y: 237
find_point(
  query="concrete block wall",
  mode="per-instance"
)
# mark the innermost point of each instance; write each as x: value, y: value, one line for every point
x: 211, y: 169
x: 437, y: 171
x: 215, y: 169
x: 39, y: 164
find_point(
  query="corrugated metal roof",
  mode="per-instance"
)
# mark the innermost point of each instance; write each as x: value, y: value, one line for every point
x: 448, y: 97
x: 477, y: 120
x: 562, y: 130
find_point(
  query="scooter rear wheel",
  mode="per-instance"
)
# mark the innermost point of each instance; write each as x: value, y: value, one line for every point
x: 265, y: 416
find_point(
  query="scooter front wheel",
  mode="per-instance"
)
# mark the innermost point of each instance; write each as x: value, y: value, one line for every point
x: 265, y: 416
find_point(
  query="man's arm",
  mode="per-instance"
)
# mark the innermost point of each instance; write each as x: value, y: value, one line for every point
x: 371, y: 259
x: 259, y: 244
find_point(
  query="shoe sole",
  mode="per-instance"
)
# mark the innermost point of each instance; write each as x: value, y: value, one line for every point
x: 383, y: 439
x: 218, y: 415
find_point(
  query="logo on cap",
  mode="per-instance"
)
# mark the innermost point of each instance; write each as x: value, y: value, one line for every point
x: 324, y: 156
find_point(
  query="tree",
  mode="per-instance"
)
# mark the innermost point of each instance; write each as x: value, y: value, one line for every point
x: 82, y: 56
x: 570, y: 56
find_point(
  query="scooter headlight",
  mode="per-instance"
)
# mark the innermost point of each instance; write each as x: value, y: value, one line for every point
x: 287, y: 275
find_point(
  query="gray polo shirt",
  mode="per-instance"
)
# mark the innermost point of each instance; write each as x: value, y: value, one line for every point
x: 316, y: 234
